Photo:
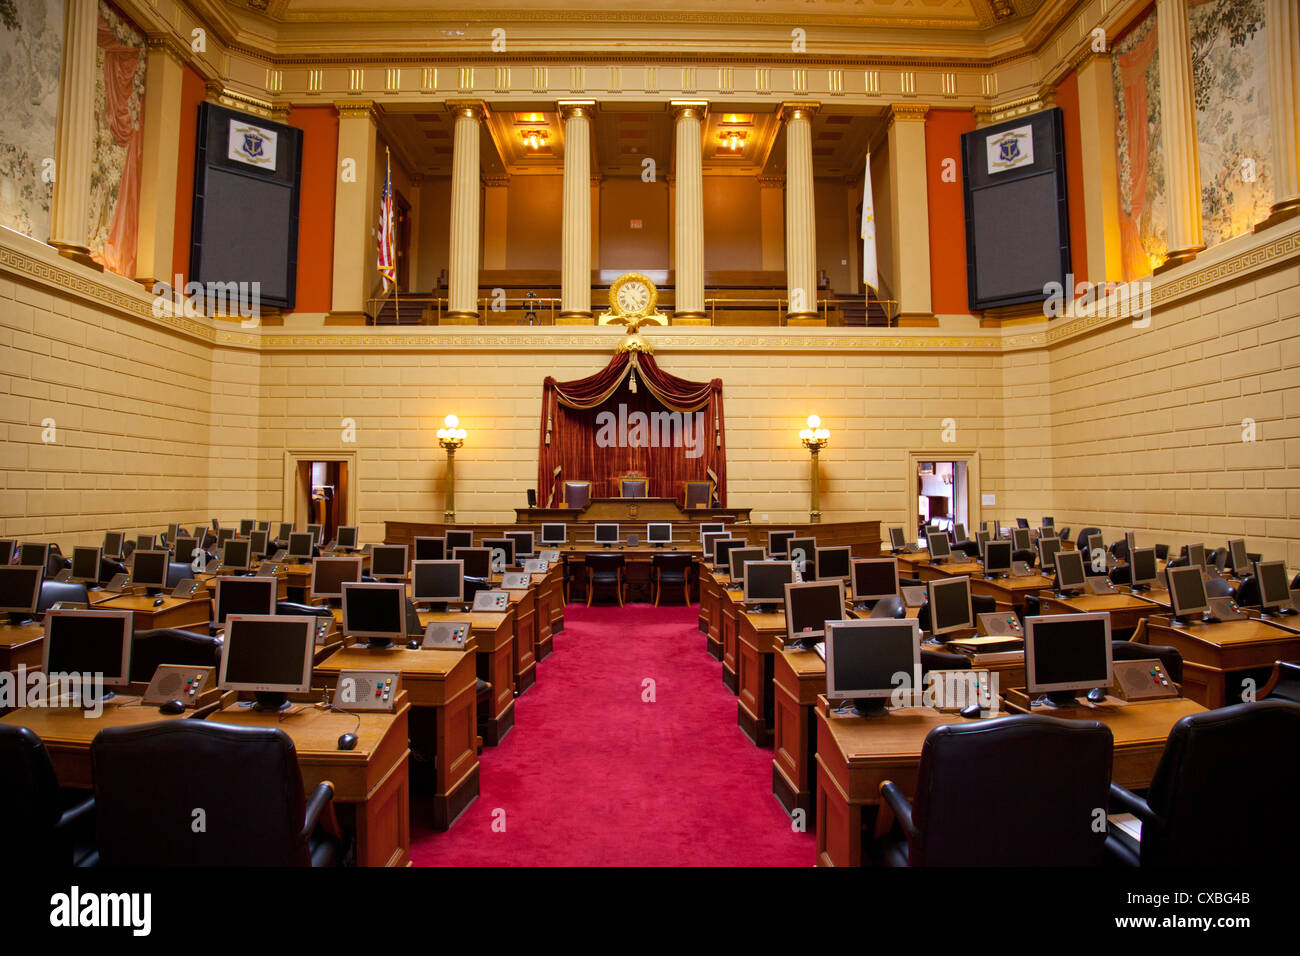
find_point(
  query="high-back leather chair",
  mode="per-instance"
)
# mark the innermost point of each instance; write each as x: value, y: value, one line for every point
x: 1168, y: 656
x: 697, y: 494
x: 1082, y: 542
x: 52, y: 592
x: 246, y: 779
x: 1217, y: 587
x: 633, y: 486
x: 604, y: 570
x: 177, y: 571
x: 166, y: 645
x: 1248, y: 592
x: 673, y: 569
x: 1284, y: 684
x: 1225, y: 786
x: 941, y: 661
x: 891, y: 606
x: 108, y: 568
x: 577, y: 494
x: 55, y: 561
x: 1012, y: 791
x: 42, y: 834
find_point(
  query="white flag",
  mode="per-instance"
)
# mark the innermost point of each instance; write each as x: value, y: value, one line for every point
x: 870, y: 271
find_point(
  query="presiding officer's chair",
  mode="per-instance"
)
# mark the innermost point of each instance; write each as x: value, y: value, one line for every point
x: 577, y: 494
x: 698, y: 494
x: 634, y: 486
x: 245, y: 779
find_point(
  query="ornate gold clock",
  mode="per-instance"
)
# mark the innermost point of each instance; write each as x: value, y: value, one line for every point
x: 632, y: 301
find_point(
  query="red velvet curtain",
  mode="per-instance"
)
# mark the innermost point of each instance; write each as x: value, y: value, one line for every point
x: 631, y: 416
x: 122, y: 64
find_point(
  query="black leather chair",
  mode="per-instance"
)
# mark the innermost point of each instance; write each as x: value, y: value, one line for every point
x: 52, y: 592
x: 166, y: 645
x: 1221, y: 795
x: 892, y: 606
x: 311, y: 610
x: 46, y: 823
x: 1027, y: 555
x: 1121, y: 574
x: 1064, y: 533
x: 473, y: 585
x: 55, y: 561
x: 1284, y: 684
x: 673, y: 569
x: 108, y: 568
x: 177, y: 571
x: 1133, y: 651
x: 1119, y: 548
x: 1013, y: 791
x: 245, y: 779
x: 910, y: 583
x: 970, y: 548
x: 939, y: 661
x: 1295, y: 582
x: 1217, y: 587
x: 604, y: 571
x: 1248, y: 592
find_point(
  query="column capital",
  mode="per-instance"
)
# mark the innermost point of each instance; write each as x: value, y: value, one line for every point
x: 214, y: 92
x: 767, y: 181
x: 908, y: 112
x: 568, y: 109
x: 474, y: 109
x: 355, y: 109
x: 497, y: 181
x: 168, y: 44
x: 798, y: 109
x: 691, y: 109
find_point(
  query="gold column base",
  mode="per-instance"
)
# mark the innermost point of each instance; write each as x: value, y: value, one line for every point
x: 814, y: 517
x: 804, y: 318
x: 1280, y: 212
x: 449, y: 517
x: 1177, y: 258
x: 77, y: 254
x: 690, y: 317
x: 575, y: 317
x: 459, y: 318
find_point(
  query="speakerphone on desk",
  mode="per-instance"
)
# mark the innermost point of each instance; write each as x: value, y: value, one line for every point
x: 1142, y: 680
x: 446, y: 635
x: 367, y: 691
x: 494, y: 601
x: 173, y: 683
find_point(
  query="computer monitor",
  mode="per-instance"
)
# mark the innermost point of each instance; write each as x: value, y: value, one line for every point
x: 113, y: 541
x: 808, y: 606
x: 150, y: 570
x: 736, y: 559
x: 708, y: 526
x: 959, y: 532
x: 1237, y: 556
x: 1196, y: 555
x: 606, y: 534
x: 833, y: 562
x: 997, y: 529
x: 430, y: 549
x: 1021, y: 539
x: 706, y: 542
x: 269, y: 654
x: 85, y: 564
x: 224, y: 535
x: 1070, y: 575
x: 981, y: 541
x: 1047, y: 548
x: 554, y: 533
x: 524, y: 545
x: 1094, y: 544
x: 950, y: 605
x: 246, y: 526
x: 317, y: 532
x: 438, y: 581
x: 257, y: 543
x: 328, y: 575
x: 778, y: 543
x: 7, y: 548
x: 1142, y: 568
x: 503, y: 552
x: 997, y: 559
x: 236, y: 594
x: 869, y: 661
x: 33, y: 555
x: 20, y: 591
x: 90, y: 642
x: 1187, y: 597
x: 874, y: 578
x: 1067, y: 653
x: 897, y: 539
x: 375, y: 610
x: 1048, y: 522
x: 1273, y: 588
x: 236, y: 554
x: 146, y: 542
x: 722, y: 548
x: 185, y: 548
x: 804, y: 552
x: 388, y: 561
x: 346, y: 539
x: 283, y: 530
x: 659, y: 532
x: 937, y: 543
x: 300, y: 545
x: 1130, y: 540
x: 477, y: 561
x: 459, y: 538
x: 765, y: 582
x: 173, y: 532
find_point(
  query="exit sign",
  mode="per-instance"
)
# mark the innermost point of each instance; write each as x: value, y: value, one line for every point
x: 635, y: 224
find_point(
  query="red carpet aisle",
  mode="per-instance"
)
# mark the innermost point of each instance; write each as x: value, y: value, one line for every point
x: 592, y: 776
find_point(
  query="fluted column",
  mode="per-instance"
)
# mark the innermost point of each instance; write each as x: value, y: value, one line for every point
x: 800, y: 215
x: 356, y: 199
x: 1282, y: 34
x: 463, y: 247
x: 75, y: 137
x: 771, y: 199
x: 575, y: 269
x: 164, y: 74
x: 1099, y: 159
x: 909, y: 215
x: 1178, y: 134
x: 688, y: 212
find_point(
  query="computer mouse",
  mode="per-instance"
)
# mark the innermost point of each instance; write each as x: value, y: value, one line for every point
x: 971, y: 712
x: 158, y: 602
x: 413, y: 645
x: 172, y: 707
x: 1096, y: 695
x: 348, y: 742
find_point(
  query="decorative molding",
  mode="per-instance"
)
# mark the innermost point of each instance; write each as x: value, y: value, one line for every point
x: 166, y: 43
x: 908, y: 112
x: 355, y: 109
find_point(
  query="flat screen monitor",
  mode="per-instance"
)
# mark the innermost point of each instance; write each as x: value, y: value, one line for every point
x: 173, y: 532
x: 833, y: 562
x: 236, y: 554
x: 328, y: 575
x: 722, y: 549
x: 269, y: 654
x: 388, y: 561
x: 283, y: 530
x: 375, y: 610
x: 85, y: 565
x: 981, y: 541
x: 185, y: 548
x: 778, y: 543
x: 1237, y: 556
x: 502, y: 553
x: 874, y: 578
x: 765, y: 581
x: 1066, y: 653
x: 1187, y: 597
x: 317, y: 532
x: 257, y: 542
x: 246, y: 526
x: 1048, y: 522
x: 897, y: 539
x: 871, y: 659
x: 1070, y: 575
x: 706, y: 543
x: 937, y: 543
x: 301, y: 545
x: 1020, y: 539
x: 459, y: 538
x: 809, y: 605
x: 145, y: 542
x: 606, y: 534
x: 347, y: 537
x: 33, y: 555
x: 113, y: 541
x: 1273, y: 588
x: 950, y: 605
x: 263, y: 526
x: 477, y: 561
x: 149, y: 569
x: 736, y: 559
x: 20, y: 589
x: 224, y: 535
x: 1196, y: 554
x: 997, y: 529
x: 554, y: 533
x: 524, y: 545
x: 959, y: 532
x: 1130, y: 540
x: 89, y: 642
x: 708, y: 526
x: 997, y: 557
x: 1047, y: 548
x: 430, y: 549
x: 1095, y: 544
x: 242, y: 595
x: 439, y: 580
x: 803, y: 552
x: 1142, y: 567
x: 659, y: 532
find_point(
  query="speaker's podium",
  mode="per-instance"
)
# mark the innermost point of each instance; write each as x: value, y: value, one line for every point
x: 631, y: 509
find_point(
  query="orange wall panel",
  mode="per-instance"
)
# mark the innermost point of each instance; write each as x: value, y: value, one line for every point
x: 320, y: 147
x: 192, y: 92
x: 943, y: 131
x: 1067, y: 98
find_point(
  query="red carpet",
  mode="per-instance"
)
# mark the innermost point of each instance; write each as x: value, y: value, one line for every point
x: 592, y: 776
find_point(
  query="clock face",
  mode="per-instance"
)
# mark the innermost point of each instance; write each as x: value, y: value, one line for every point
x: 633, y: 297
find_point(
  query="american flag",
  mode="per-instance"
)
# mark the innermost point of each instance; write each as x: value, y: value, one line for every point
x: 387, y: 263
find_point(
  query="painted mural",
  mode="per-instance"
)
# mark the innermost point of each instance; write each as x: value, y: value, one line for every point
x: 31, y: 47
x: 1143, y: 211
x: 1230, y: 81
x: 120, y: 59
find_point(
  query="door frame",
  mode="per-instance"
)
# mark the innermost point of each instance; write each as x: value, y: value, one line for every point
x: 974, y: 497
x: 289, y: 488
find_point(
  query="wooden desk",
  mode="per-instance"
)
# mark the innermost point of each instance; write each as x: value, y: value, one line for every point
x: 1217, y: 657
x: 1009, y: 592
x: 523, y: 617
x: 21, y: 645
x: 1126, y: 610
x: 926, y: 571
x: 493, y: 638
x: 371, y: 783
x: 728, y: 634
x: 799, y: 678
x: 184, y: 613
x: 443, y: 719
x: 710, y: 611
x: 759, y: 637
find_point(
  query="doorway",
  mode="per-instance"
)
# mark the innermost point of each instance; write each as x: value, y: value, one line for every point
x: 320, y: 489
x: 943, y: 490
